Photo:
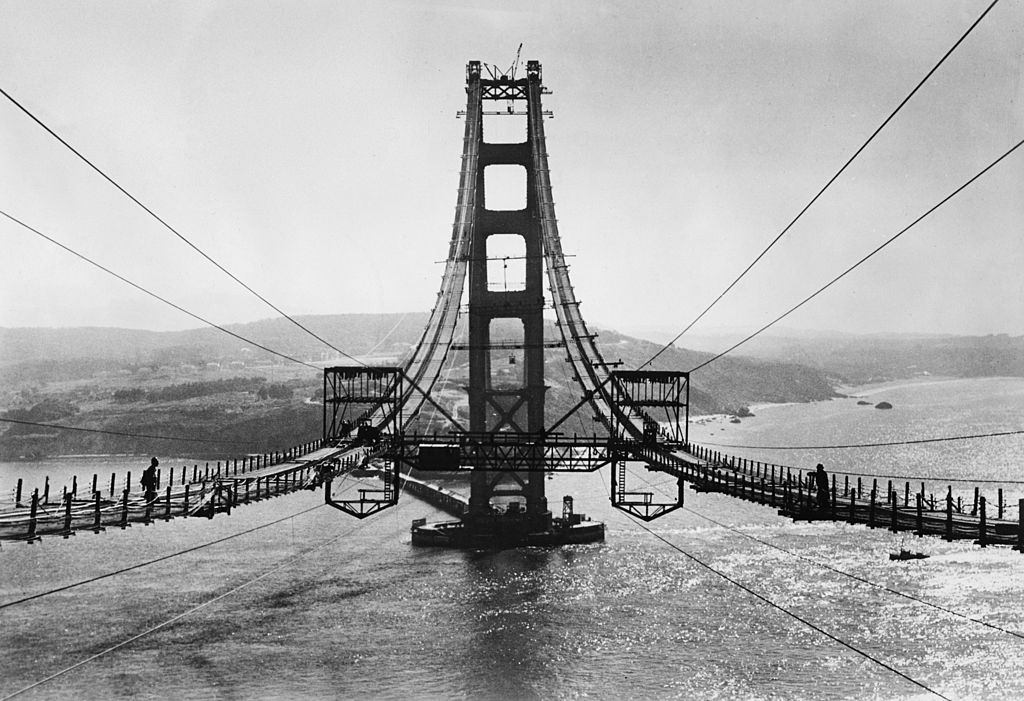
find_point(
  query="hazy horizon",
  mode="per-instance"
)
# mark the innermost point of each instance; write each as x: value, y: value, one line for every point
x: 312, y: 148
x: 659, y: 334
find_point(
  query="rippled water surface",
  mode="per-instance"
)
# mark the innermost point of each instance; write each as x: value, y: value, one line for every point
x: 322, y: 606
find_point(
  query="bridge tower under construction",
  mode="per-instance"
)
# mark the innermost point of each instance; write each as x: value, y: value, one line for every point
x: 502, y: 401
x: 508, y: 448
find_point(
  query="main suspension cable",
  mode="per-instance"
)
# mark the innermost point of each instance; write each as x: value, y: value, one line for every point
x: 923, y: 478
x: 281, y: 565
x: 827, y: 185
x: 767, y: 600
x: 836, y: 279
x: 943, y: 439
x: 855, y: 577
x: 785, y: 610
x: 154, y: 294
x: 812, y: 561
x: 155, y: 560
x: 125, y: 433
x: 172, y: 229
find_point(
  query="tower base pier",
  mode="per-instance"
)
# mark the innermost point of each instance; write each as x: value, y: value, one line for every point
x: 509, y: 527
x: 461, y: 534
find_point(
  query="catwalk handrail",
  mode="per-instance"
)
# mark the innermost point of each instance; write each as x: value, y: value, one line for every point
x: 190, y: 492
x: 791, y: 490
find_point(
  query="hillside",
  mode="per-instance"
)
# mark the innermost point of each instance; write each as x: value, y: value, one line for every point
x: 206, y: 385
x: 356, y: 333
x: 859, y: 359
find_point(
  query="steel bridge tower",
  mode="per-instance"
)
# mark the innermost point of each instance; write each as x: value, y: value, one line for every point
x: 507, y: 448
x: 515, y: 405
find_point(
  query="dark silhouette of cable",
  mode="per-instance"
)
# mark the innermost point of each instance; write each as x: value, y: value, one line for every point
x: 858, y: 578
x: 140, y: 565
x: 925, y: 478
x: 170, y: 228
x: 869, y: 445
x: 155, y: 295
x: 123, y: 433
x: 252, y: 580
x: 784, y: 610
x: 827, y: 185
x: 836, y: 279
x: 766, y: 600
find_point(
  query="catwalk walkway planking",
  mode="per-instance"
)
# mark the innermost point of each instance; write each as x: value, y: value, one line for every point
x: 206, y: 491
x: 191, y: 492
x: 792, y: 493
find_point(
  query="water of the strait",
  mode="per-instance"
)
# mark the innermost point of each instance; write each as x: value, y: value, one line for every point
x: 348, y: 609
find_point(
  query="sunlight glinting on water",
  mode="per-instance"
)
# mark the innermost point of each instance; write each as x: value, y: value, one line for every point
x: 368, y: 615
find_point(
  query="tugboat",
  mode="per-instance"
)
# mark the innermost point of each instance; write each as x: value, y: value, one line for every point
x: 905, y: 554
x: 508, y: 528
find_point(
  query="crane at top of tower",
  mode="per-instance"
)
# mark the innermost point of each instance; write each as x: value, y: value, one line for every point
x: 508, y: 75
x: 515, y: 64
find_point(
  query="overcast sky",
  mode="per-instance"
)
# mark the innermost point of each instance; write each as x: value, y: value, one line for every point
x: 313, y: 149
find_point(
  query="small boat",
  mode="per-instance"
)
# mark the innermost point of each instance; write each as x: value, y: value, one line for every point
x: 907, y: 555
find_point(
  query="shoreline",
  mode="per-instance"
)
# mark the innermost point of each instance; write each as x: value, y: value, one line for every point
x: 848, y: 392
x: 100, y: 457
x: 871, y: 388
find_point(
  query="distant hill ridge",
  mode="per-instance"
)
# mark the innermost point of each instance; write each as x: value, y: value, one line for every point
x: 41, y: 355
x: 201, y: 382
x: 859, y: 359
x: 845, y: 358
x: 353, y: 333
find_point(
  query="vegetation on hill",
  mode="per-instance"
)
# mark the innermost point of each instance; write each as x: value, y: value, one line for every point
x: 205, y: 385
x: 853, y: 359
x: 729, y: 384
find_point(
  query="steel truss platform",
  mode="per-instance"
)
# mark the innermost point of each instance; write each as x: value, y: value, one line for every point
x: 516, y: 452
